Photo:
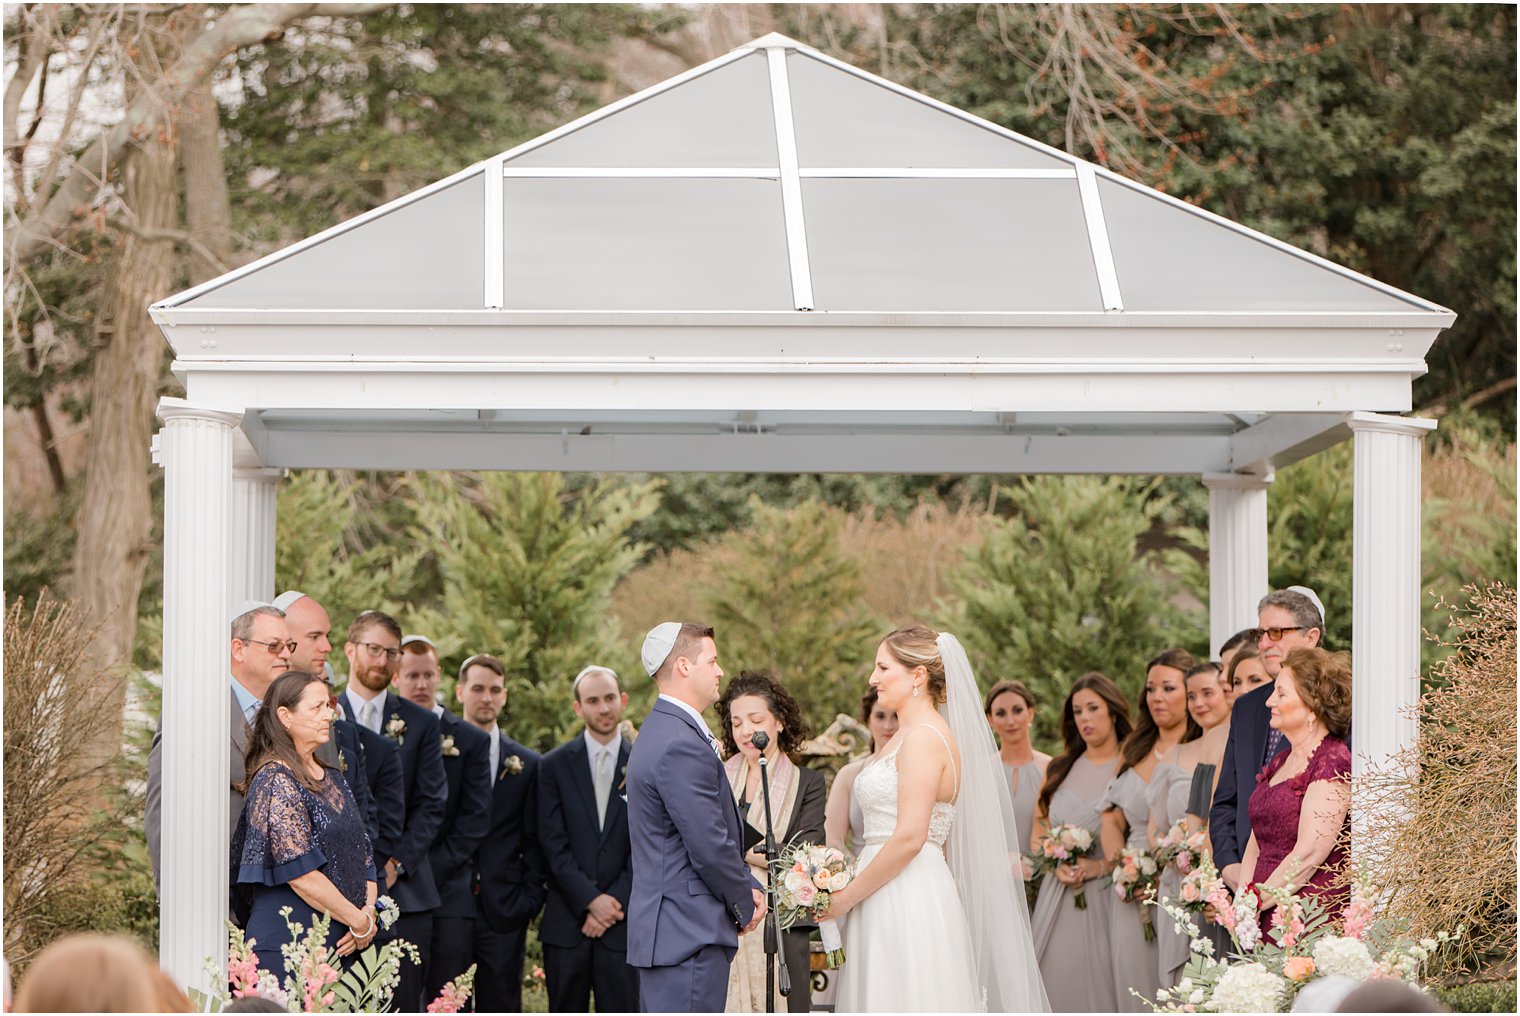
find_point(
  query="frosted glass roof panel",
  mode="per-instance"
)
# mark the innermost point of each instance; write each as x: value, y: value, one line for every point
x: 721, y: 118
x: 423, y: 255
x: 645, y: 245
x: 845, y: 120
x: 1009, y: 245
x: 1168, y: 258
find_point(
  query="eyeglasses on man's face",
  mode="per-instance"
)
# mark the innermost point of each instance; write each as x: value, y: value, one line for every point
x: 376, y: 651
x: 275, y: 646
x: 1275, y: 634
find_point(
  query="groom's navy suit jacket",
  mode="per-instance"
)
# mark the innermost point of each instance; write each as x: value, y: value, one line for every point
x: 691, y: 887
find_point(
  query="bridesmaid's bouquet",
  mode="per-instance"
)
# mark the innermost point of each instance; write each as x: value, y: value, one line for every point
x: 1181, y: 848
x: 1065, y: 844
x: 804, y: 876
x: 1135, y: 875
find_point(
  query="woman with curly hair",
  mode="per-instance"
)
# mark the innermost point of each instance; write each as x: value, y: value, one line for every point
x: 1302, y: 802
x: 752, y: 704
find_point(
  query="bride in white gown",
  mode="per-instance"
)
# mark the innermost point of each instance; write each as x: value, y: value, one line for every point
x: 936, y: 917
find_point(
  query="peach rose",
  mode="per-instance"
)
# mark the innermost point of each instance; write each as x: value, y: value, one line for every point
x: 1299, y: 968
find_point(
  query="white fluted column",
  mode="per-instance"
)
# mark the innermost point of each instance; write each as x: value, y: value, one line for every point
x: 195, y: 449
x: 1237, y: 551
x: 1385, y: 585
x: 253, y: 524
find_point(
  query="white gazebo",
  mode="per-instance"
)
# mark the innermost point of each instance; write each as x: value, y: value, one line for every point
x: 775, y: 262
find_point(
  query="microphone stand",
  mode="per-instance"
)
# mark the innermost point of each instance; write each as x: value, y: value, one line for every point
x: 773, y: 950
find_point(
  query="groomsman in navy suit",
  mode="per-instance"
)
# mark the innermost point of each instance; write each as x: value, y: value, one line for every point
x: 373, y: 648
x: 466, y: 819
x: 508, y: 865
x: 1288, y: 619
x: 583, y: 826
x: 692, y: 892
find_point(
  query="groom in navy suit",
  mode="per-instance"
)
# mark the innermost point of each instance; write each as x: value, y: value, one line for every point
x: 692, y: 892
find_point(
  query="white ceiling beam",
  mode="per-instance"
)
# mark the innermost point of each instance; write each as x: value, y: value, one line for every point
x: 791, y: 185
x: 1097, y: 238
x: 1284, y: 438
x: 747, y: 453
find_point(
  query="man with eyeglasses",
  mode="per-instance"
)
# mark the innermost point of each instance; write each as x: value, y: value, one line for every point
x: 1287, y: 619
x: 260, y: 652
x: 373, y: 648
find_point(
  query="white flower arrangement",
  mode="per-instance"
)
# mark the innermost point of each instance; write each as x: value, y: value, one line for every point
x: 1248, y: 987
x: 1344, y: 957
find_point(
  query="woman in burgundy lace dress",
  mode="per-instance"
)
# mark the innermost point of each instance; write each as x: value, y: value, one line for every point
x: 1302, y: 802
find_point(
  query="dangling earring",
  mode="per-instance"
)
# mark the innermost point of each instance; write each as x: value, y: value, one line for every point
x: 915, y: 691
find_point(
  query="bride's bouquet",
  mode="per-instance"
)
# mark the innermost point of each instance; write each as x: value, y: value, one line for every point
x: 1065, y: 844
x: 1135, y: 875
x: 805, y: 874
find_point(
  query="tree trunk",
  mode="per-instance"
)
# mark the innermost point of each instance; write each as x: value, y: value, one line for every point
x: 115, y: 514
x: 208, y: 208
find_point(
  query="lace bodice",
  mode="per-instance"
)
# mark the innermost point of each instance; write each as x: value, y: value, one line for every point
x: 876, y: 790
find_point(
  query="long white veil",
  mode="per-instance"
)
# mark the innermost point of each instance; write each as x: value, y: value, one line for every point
x: 983, y: 848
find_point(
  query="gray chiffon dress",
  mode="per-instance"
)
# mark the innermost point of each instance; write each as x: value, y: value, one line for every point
x: 1073, y: 945
x: 1169, y: 798
x: 1136, y: 962
x: 1025, y: 794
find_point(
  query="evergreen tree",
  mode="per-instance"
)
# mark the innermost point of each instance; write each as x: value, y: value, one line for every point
x: 792, y: 604
x: 1065, y: 586
x: 527, y: 571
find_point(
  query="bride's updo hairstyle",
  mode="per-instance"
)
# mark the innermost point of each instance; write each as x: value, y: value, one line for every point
x: 918, y: 646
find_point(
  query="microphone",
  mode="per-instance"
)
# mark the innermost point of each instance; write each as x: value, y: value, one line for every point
x: 760, y: 739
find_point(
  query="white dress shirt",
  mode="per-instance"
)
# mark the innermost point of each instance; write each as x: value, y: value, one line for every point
x: 360, y: 705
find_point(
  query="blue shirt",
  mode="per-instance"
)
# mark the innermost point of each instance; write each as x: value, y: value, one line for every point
x: 245, y: 700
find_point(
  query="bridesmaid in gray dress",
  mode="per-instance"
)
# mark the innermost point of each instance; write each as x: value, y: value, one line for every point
x: 1009, y: 706
x: 1161, y: 724
x: 1073, y: 945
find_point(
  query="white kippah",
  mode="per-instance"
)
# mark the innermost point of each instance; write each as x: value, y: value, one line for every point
x: 246, y: 606
x: 658, y: 644
x: 419, y: 638
x: 1308, y: 594
x: 284, y: 600
x: 593, y: 669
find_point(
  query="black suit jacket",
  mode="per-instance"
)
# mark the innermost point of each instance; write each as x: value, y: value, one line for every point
x: 1229, y: 820
x: 380, y: 775
x: 466, y: 815
x: 425, y: 792
x: 345, y: 739
x: 509, y: 865
x: 585, y: 860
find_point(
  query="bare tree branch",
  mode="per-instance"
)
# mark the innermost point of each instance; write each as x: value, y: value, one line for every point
x: 184, y: 239
x: 238, y: 27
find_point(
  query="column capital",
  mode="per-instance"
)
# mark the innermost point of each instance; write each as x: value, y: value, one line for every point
x: 1412, y: 426
x: 171, y: 409
x: 1238, y: 481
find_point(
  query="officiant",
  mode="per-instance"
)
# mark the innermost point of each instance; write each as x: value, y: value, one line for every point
x: 754, y: 703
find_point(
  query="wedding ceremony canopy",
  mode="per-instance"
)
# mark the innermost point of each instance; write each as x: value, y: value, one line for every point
x: 776, y: 262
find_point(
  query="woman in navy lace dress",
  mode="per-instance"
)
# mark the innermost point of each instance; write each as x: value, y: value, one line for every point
x: 1301, y: 806
x: 300, y: 842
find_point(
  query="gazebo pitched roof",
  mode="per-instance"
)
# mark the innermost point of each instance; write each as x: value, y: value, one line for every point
x: 836, y: 191
x: 777, y: 261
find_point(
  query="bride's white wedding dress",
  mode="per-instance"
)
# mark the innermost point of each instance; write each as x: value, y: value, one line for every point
x: 907, y: 945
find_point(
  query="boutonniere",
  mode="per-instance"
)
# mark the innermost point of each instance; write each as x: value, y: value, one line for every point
x: 342, y: 762
x: 448, y: 746
x: 396, y: 730
x: 512, y: 765
x: 622, y: 787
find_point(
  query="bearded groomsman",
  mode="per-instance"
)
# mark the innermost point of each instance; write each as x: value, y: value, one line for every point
x: 583, y: 826
x: 373, y: 648
x: 508, y: 865
x: 466, y: 817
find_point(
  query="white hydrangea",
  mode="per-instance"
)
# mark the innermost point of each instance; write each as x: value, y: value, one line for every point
x: 1346, y: 957
x: 1249, y: 987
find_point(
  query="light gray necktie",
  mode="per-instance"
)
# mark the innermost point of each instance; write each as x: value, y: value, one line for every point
x: 372, y: 714
x: 603, y: 785
x: 495, y: 757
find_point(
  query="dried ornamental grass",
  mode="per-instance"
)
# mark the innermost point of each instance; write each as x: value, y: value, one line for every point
x: 1441, y: 818
x: 52, y: 703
